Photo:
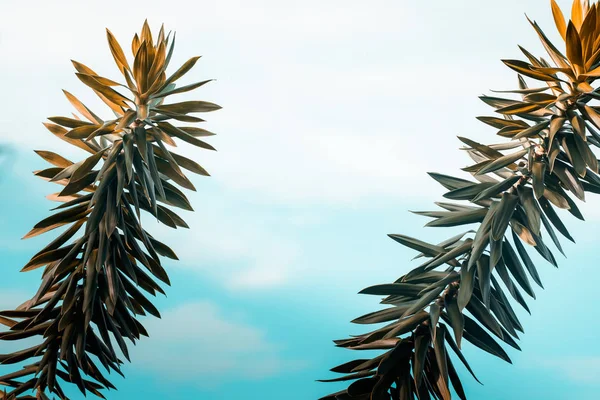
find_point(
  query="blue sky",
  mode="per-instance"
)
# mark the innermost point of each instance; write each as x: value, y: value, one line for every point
x: 333, y: 113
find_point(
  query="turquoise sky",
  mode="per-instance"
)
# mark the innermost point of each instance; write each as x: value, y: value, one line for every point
x: 333, y: 113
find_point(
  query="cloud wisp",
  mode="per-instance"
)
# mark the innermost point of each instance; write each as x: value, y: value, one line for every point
x: 195, y: 342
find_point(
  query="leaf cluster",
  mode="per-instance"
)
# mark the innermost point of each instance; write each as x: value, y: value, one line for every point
x: 98, y: 273
x: 465, y: 288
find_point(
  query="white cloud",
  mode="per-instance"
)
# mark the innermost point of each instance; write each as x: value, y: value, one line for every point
x: 330, y: 102
x: 325, y: 103
x: 582, y: 370
x: 247, y: 244
x: 195, y: 341
x: 269, y: 273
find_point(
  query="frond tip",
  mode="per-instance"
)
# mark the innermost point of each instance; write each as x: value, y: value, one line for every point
x: 96, y: 270
x: 512, y: 198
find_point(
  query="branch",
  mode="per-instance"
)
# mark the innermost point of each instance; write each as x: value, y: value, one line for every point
x: 456, y: 293
x: 93, y: 283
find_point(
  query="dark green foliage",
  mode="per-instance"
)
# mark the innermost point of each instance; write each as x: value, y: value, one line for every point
x: 517, y: 186
x: 95, y: 273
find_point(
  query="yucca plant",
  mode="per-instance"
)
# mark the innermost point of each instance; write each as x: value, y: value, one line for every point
x: 92, y: 283
x: 462, y: 288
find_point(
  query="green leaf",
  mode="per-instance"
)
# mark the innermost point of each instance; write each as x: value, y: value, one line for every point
x: 500, y: 123
x: 519, y: 108
x: 502, y: 162
x: 456, y: 384
x: 87, y: 166
x: 407, y: 324
x: 552, y: 234
x: 485, y: 150
x: 425, y: 299
x: 527, y: 260
x: 196, y: 132
x: 498, y: 188
x: 514, y: 292
x: 70, y: 122
x: 503, y: 317
x: 467, y: 282
x: 592, y: 115
x: 186, y: 107
x: 574, y: 49
x: 109, y: 93
x: 171, y: 170
x: 555, y: 54
x: 456, y: 318
x: 86, y: 112
x: 421, y: 346
x: 415, y: 244
x: 483, y: 233
x: 128, y: 149
x: 572, y: 151
x: 484, y: 272
x: 578, y: 125
x: 139, y: 135
x: 531, y: 208
x: 348, y: 367
x: 447, y: 257
x: 503, y: 301
x: 542, y: 98
x: 554, y: 218
x: 469, y: 192
x: 117, y: 51
x: 174, y: 131
x: 538, y: 170
x: 480, y: 338
x: 481, y: 313
x: 556, y: 123
x: 459, y: 218
x: 495, y: 251
x: 559, y: 19
x: 440, y: 352
x: 54, y: 158
x: 350, y: 377
x: 527, y: 70
x: 570, y: 180
x: 181, y: 89
x: 516, y: 268
x: 434, y: 313
x: 189, y: 64
x: 47, y: 257
x: 402, y: 289
x: 385, y: 315
x: 556, y: 198
x: 450, y: 182
x: 460, y: 355
x: 586, y: 154
x: 183, y: 162
x: 532, y: 131
x: 503, y: 215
